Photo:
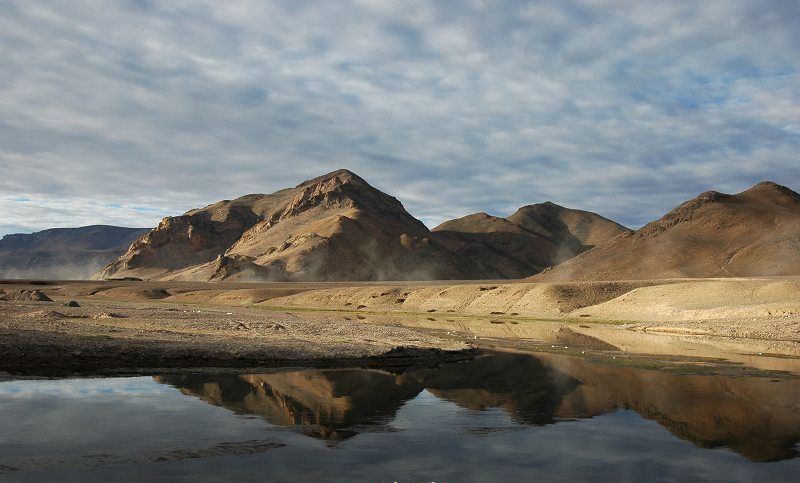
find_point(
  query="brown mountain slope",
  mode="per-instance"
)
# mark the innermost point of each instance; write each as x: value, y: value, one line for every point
x: 334, y: 227
x: 533, y: 238
x: 753, y: 233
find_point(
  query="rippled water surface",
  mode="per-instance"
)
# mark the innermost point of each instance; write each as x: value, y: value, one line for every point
x: 506, y: 417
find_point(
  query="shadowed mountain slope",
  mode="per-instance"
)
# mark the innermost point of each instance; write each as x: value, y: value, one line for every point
x: 752, y: 233
x: 566, y: 224
x: 533, y: 238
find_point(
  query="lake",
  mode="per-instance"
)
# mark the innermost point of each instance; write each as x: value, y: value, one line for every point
x: 500, y: 417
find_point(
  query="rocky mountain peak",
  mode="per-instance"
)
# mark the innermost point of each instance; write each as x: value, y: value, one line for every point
x: 344, y: 189
x: 335, y: 178
x: 683, y: 213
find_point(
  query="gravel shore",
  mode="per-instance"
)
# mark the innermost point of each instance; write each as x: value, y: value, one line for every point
x: 49, y: 337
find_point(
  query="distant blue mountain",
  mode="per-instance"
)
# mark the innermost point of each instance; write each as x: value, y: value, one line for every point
x: 64, y: 253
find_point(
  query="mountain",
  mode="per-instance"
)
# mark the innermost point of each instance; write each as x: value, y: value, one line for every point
x: 334, y: 227
x: 63, y: 253
x: 337, y: 227
x: 533, y: 238
x: 566, y: 224
x: 752, y: 233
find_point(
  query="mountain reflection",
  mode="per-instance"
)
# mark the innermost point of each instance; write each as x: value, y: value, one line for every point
x: 524, y: 386
x: 756, y: 417
x: 330, y: 404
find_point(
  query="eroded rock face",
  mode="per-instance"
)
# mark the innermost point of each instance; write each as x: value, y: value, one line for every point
x: 196, y: 237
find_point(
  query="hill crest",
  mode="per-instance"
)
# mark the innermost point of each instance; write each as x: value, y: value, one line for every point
x: 752, y: 233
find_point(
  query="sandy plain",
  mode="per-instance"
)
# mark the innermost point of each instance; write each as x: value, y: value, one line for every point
x: 131, y: 325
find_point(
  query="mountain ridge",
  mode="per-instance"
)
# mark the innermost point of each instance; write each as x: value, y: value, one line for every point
x: 533, y: 238
x: 752, y: 233
x: 336, y: 227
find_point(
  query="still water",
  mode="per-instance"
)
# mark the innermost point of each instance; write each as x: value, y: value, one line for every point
x: 503, y: 417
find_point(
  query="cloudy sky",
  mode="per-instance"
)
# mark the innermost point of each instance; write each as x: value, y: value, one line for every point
x: 122, y: 112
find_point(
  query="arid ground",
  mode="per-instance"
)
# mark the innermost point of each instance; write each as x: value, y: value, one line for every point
x: 129, y: 325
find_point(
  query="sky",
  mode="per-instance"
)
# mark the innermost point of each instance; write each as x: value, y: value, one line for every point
x: 123, y: 112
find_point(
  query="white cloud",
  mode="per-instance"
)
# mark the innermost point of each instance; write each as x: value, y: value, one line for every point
x: 625, y: 108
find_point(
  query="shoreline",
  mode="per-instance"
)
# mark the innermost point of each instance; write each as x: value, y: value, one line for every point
x: 44, y: 355
x: 146, y: 326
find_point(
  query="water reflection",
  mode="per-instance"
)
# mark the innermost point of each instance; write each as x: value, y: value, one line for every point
x: 327, y: 404
x: 757, y: 417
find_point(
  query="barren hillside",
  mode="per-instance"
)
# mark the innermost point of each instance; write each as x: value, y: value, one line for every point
x: 532, y: 239
x: 752, y: 233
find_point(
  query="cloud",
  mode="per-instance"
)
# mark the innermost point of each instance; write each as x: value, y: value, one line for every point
x: 124, y: 112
